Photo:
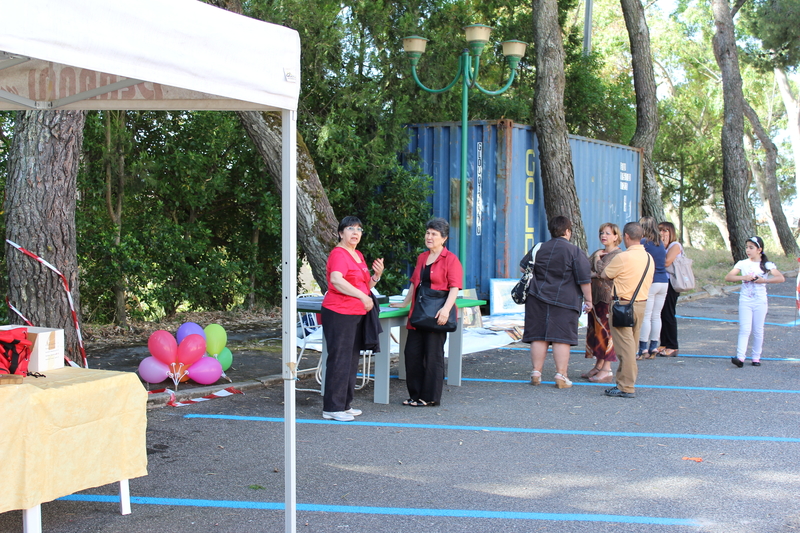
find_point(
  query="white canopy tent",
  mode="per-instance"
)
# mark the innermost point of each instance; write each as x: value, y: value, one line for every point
x: 164, y: 55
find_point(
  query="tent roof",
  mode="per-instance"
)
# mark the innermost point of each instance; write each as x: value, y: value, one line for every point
x: 143, y: 54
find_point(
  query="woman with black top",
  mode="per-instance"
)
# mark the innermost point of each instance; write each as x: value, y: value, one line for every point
x: 439, y: 269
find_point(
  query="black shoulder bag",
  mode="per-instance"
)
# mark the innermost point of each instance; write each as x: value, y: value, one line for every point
x: 622, y: 314
x: 428, y: 302
x: 519, y: 293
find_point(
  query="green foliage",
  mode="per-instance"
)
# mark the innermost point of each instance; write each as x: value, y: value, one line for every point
x: 770, y: 33
x: 6, y: 133
x: 195, y: 193
x: 595, y: 108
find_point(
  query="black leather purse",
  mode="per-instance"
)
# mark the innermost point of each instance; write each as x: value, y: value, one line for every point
x: 622, y: 314
x: 428, y: 302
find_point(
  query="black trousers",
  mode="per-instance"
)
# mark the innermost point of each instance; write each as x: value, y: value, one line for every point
x: 343, y: 337
x: 425, y: 365
x: 669, y: 324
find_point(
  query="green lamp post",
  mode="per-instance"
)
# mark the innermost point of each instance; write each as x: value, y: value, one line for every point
x: 468, y: 70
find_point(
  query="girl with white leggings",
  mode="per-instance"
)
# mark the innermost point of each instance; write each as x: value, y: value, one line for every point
x: 650, y: 334
x: 754, y: 273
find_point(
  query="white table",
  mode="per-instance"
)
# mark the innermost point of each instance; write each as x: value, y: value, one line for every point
x: 76, y: 429
x: 397, y: 317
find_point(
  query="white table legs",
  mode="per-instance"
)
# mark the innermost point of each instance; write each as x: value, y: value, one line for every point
x: 124, y: 497
x: 32, y: 518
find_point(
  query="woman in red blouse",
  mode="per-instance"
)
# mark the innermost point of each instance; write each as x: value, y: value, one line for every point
x: 343, y: 310
x: 440, y: 270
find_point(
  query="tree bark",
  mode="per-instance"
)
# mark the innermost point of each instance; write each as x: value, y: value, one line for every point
x: 40, y: 217
x: 717, y: 218
x: 738, y: 212
x: 644, y: 83
x: 115, y: 194
x: 558, y: 178
x: 792, y: 104
x: 757, y: 171
x: 316, y: 222
x: 771, y: 196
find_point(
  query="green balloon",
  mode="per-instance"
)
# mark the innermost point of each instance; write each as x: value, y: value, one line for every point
x: 225, y: 358
x: 216, y: 338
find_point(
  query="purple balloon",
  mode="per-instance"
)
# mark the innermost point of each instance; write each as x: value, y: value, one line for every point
x: 152, y: 370
x: 206, y: 371
x: 189, y: 328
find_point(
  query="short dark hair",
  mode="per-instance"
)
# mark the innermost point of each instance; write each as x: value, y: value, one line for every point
x: 559, y: 225
x: 633, y: 230
x: 439, y: 224
x: 346, y: 223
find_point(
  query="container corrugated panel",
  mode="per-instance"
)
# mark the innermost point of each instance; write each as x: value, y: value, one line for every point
x: 505, y: 211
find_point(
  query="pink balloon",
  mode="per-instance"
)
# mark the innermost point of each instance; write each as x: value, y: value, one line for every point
x: 163, y: 346
x: 152, y: 370
x: 189, y: 328
x: 206, y: 371
x: 191, y: 349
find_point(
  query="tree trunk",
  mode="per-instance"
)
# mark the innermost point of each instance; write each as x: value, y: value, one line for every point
x: 734, y: 163
x: 792, y: 104
x: 316, y: 223
x: 115, y: 194
x: 644, y: 83
x: 251, y: 297
x: 771, y: 197
x: 714, y: 216
x: 40, y: 217
x: 558, y: 179
x: 757, y: 172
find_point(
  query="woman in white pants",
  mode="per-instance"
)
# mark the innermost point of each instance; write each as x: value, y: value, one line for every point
x: 754, y: 273
x: 650, y: 334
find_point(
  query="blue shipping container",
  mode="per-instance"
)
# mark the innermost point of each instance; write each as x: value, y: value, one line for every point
x: 505, y: 204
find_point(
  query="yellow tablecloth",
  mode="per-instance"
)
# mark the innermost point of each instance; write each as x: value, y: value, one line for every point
x: 75, y: 429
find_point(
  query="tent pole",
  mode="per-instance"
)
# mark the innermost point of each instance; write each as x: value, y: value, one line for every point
x: 289, y: 306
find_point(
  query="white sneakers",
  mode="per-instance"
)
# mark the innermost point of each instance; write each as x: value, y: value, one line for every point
x: 341, y: 416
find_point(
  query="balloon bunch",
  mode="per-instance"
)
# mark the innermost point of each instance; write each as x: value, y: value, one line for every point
x: 193, y: 353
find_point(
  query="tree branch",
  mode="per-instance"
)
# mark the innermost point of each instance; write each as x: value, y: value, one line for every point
x: 736, y: 7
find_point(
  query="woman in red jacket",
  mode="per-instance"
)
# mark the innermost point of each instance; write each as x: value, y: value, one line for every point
x: 439, y: 269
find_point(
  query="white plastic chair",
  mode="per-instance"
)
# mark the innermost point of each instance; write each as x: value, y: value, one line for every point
x: 307, y: 324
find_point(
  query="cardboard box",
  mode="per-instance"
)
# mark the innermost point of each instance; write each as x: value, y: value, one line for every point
x: 47, y: 351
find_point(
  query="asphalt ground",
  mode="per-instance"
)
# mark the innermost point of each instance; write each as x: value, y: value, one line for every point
x: 704, y: 447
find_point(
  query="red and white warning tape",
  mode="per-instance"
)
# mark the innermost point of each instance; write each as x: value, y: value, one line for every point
x: 69, y: 297
x: 219, y: 394
x: 23, y: 317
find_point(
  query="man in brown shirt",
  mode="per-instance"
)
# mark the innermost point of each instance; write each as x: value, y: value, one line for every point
x: 627, y: 269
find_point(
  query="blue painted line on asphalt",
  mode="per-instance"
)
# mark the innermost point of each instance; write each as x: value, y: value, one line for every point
x: 508, y: 429
x: 699, y: 356
x: 396, y: 511
x: 639, y: 386
x: 732, y: 320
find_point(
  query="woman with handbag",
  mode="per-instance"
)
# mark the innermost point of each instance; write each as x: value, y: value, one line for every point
x: 650, y: 334
x: 344, y: 308
x: 432, y: 295
x: 598, y: 333
x: 561, y: 277
x: 669, y: 324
